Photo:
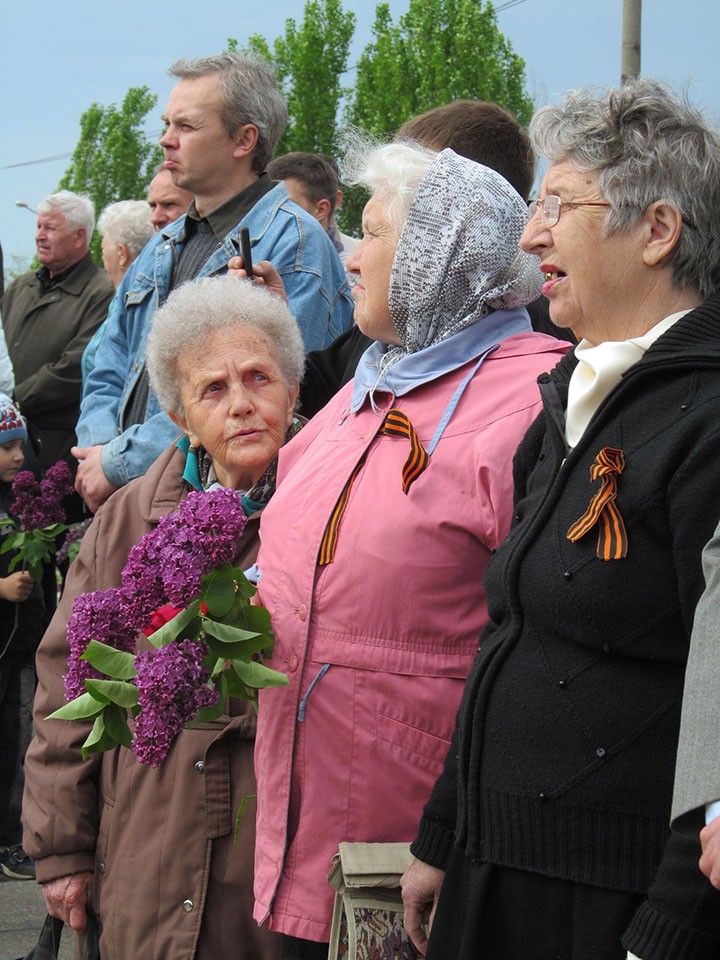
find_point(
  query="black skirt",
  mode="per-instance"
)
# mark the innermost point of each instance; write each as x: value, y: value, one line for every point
x: 489, y: 912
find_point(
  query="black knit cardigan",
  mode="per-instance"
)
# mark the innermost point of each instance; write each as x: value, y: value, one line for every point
x: 564, y: 752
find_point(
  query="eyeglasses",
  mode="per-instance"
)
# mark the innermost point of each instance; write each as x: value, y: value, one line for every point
x: 551, y: 207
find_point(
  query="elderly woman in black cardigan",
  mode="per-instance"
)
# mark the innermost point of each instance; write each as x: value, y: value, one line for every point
x: 551, y: 818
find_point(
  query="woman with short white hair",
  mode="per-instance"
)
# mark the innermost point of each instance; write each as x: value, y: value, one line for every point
x: 125, y: 227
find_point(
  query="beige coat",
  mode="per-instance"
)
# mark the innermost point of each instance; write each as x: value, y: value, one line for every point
x: 170, y: 882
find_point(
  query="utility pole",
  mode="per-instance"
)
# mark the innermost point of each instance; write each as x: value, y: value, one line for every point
x: 631, y: 34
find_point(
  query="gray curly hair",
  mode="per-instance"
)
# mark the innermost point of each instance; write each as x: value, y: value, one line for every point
x: 646, y: 144
x: 196, y: 310
x: 128, y: 222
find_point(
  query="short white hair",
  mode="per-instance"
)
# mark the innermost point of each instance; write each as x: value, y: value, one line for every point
x: 77, y: 208
x: 128, y: 222
x: 196, y: 310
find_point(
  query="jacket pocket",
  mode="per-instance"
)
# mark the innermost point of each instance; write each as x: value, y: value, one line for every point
x: 421, y: 747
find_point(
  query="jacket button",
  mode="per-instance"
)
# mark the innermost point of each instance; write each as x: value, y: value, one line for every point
x: 600, y: 752
x: 302, y: 612
x: 567, y: 574
x: 200, y: 766
x: 188, y: 906
x: 562, y: 684
x: 292, y: 663
x: 101, y: 868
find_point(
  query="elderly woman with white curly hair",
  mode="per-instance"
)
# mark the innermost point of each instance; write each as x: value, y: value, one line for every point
x: 551, y: 819
x: 125, y: 227
x: 157, y: 853
x: 391, y: 501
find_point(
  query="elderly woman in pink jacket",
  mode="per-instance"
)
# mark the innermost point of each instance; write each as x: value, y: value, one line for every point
x: 389, y: 505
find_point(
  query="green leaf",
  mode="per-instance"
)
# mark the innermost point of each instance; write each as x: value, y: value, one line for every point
x: 81, y: 708
x: 258, y: 675
x: 113, y: 663
x: 227, y: 633
x: 240, y: 814
x: 245, y: 589
x: 121, y: 692
x: 9, y: 543
x: 179, y: 625
x: 219, y: 591
x: 255, y: 618
x: 98, y: 740
x: 239, y: 690
x: 116, y: 725
x: 242, y: 650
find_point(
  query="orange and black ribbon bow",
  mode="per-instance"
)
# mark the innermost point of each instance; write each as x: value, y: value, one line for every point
x: 612, y: 541
x: 395, y: 424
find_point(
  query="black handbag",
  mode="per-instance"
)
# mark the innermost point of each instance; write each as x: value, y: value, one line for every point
x: 49, y: 940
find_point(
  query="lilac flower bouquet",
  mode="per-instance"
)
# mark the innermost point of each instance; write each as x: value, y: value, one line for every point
x: 41, y: 517
x: 210, y: 645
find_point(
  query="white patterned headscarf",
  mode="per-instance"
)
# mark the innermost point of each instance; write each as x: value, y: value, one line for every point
x: 458, y: 257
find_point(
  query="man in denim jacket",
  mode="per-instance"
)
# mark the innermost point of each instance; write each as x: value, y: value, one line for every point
x: 223, y: 120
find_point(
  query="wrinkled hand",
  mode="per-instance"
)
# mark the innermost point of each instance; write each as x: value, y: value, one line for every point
x: 420, y: 891
x: 264, y: 274
x: 67, y: 898
x: 16, y: 587
x: 91, y: 482
x: 710, y: 859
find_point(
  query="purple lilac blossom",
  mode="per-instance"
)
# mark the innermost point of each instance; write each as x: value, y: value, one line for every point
x: 73, y: 536
x: 40, y: 504
x: 103, y: 615
x: 26, y: 507
x: 167, y: 565
x: 172, y: 687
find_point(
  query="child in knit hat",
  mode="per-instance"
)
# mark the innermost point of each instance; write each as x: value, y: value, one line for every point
x: 21, y: 628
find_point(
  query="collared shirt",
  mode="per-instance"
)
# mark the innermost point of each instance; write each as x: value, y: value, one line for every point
x: 203, y: 235
x: 229, y: 214
x: 47, y: 282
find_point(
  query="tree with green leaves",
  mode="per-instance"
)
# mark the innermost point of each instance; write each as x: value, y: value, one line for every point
x: 114, y: 159
x: 311, y: 60
x: 439, y: 51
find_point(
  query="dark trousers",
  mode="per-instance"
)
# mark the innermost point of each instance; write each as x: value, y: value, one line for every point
x: 296, y: 949
x: 17, y: 689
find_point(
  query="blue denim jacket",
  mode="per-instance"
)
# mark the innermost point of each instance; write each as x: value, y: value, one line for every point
x: 318, y: 296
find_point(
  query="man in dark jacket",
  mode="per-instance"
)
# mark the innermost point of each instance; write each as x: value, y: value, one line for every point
x: 49, y: 316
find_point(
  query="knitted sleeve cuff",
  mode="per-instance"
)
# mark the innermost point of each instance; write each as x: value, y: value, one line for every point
x: 655, y: 936
x: 433, y: 843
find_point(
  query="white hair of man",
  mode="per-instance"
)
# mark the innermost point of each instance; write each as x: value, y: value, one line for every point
x: 77, y: 208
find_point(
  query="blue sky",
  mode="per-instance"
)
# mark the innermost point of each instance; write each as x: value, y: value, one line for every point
x: 56, y: 59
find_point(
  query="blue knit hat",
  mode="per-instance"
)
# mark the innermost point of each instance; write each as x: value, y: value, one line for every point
x: 12, y: 425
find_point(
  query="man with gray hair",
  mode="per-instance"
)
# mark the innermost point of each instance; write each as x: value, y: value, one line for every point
x: 223, y: 120
x: 49, y: 316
